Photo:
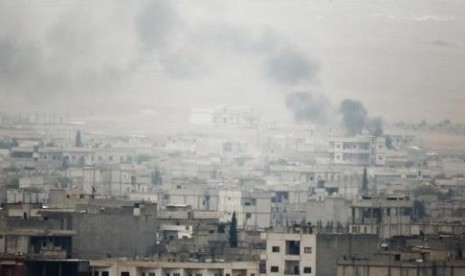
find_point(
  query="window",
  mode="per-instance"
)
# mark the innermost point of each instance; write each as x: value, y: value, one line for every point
x: 96, y: 273
x: 105, y: 273
x: 124, y: 273
x: 262, y: 267
x: 248, y: 215
x: 293, y: 247
x: 308, y: 250
x: 142, y: 274
x: 274, y: 269
x: 151, y: 273
x: 307, y: 269
x: 198, y: 274
x: 176, y: 274
x: 275, y: 249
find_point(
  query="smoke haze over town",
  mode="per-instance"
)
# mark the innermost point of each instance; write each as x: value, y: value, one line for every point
x: 232, y: 137
x: 403, y: 60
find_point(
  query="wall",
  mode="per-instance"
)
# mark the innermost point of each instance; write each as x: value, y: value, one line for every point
x: 114, y: 233
x: 331, y: 247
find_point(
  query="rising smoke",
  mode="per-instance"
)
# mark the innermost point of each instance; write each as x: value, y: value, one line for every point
x: 355, y: 119
x: 375, y: 126
x: 289, y: 67
x: 155, y: 23
x: 307, y: 107
x: 354, y: 116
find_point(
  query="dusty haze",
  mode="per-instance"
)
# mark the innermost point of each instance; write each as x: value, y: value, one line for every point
x: 156, y: 59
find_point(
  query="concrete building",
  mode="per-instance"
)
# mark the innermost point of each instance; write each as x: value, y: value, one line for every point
x: 24, y: 231
x: 300, y: 251
x: 199, y: 197
x: 289, y: 253
x: 414, y: 262
x: 126, y: 267
x: 253, y: 208
x: 330, y: 210
x: 114, y: 228
x: 358, y: 150
x: 385, y: 216
x: 115, y: 180
x: 12, y: 265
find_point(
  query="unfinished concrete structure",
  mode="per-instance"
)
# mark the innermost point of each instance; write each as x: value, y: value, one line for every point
x: 385, y: 216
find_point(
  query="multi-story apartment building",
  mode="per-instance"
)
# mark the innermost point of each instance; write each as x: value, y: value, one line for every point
x: 253, y: 208
x: 199, y: 197
x: 358, y: 150
x: 385, y: 216
x: 416, y: 261
x: 289, y: 253
x: 302, y: 251
x: 117, y: 267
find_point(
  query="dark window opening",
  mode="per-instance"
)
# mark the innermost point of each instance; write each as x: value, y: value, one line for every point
x: 292, y: 247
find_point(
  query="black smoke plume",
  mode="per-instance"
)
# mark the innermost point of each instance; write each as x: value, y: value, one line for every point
x: 354, y: 116
x: 375, y: 126
x: 307, y: 107
x: 356, y: 120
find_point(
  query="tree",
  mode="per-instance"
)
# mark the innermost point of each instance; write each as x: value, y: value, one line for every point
x: 233, y: 231
x: 78, y: 142
x: 419, y: 209
x: 14, y: 142
x: 156, y: 177
x: 65, y: 165
x: 365, y: 181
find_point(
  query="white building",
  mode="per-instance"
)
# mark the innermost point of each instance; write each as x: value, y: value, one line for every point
x: 358, y: 150
x: 124, y: 267
x: 115, y: 180
x: 201, y: 197
x: 290, y: 253
x: 253, y: 208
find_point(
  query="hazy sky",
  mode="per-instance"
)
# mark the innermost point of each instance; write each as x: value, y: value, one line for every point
x: 404, y: 59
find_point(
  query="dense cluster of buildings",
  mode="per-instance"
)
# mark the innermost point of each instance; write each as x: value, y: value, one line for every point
x: 295, y: 202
